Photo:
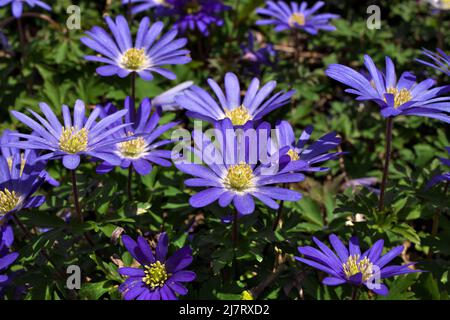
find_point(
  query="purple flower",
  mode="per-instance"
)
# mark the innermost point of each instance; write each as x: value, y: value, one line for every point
x: 17, y: 5
x: 72, y: 139
x: 440, y: 177
x: 28, y: 157
x: 256, y: 104
x: 143, y: 5
x: 299, y: 156
x: 20, y: 178
x: 257, y: 57
x: 439, y: 60
x: 157, y: 278
x: 402, y: 97
x: 235, y: 171
x: 141, y: 151
x: 146, y: 56
x: 296, y: 16
x: 350, y: 266
x: 194, y: 14
x: 6, y: 258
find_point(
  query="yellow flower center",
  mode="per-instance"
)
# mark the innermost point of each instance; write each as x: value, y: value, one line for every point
x: 8, y: 201
x: 134, y: 59
x: 247, y: 295
x: 238, y: 116
x: 155, y: 275
x: 354, y: 266
x: 132, y: 149
x: 297, y: 18
x: 239, y: 177
x: 400, y: 97
x: 73, y: 140
x: 192, y: 7
x: 293, y: 154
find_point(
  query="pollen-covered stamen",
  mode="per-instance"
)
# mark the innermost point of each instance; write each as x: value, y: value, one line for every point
x: 23, y: 161
x: 155, y: 275
x: 8, y: 201
x: 293, y: 154
x: 400, y: 97
x: 133, y: 149
x: 297, y: 18
x: 238, y: 116
x: 354, y: 266
x: 239, y: 177
x: 134, y: 59
x: 73, y: 140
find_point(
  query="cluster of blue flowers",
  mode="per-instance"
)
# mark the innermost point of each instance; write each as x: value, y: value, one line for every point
x: 129, y: 137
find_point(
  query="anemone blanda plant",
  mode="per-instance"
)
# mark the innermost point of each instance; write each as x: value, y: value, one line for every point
x: 394, y: 97
x: 7, y: 258
x: 438, y: 60
x: 353, y: 267
x: 256, y: 104
x: 441, y: 177
x: 296, y: 16
x: 235, y: 172
x: 73, y: 138
x: 147, y: 54
x: 19, y: 181
x: 157, y: 277
x: 301, y: 156
x: 144, y: 150
x: 17, y: 5
x: 194, y: 14
x: 28, y: 157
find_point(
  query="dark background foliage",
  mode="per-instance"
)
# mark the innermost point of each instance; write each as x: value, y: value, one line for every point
x: 49, y: 67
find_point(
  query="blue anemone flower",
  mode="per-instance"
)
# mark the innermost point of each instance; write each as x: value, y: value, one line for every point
x: 296, y: 16
x: 236, y: 171
x: 72, y: 139
x: 395, y: 97
x: 350, y: 266
x: 7, y: 258
x: 299, y: 155
x: 138, y: 6
x: 256, y: 104
x: 144, y: 150
x: 148, y: 53
x: 158, y: 277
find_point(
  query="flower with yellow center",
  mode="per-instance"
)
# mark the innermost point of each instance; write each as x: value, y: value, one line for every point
x: 400, y: 97
x: 8, y: 201
x: 239, y: 177
x: 155, y: 275
x: 238, y: 116
x: 293, y: 154
x: 134, y: 59
x: 354, y: 266
x: 73, y: 141
x: 132, y: 149
x: 297, y: 18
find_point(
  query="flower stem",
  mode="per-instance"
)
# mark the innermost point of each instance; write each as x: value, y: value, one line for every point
x: 130, y: 180
x: 435, y: 227
x: 235, y: 228
x: 76, y: 197
x: 280, y: 211
x: 355, y: 290
x: 387, y: 158
x: 29, y: 236
x: 76, y: 200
